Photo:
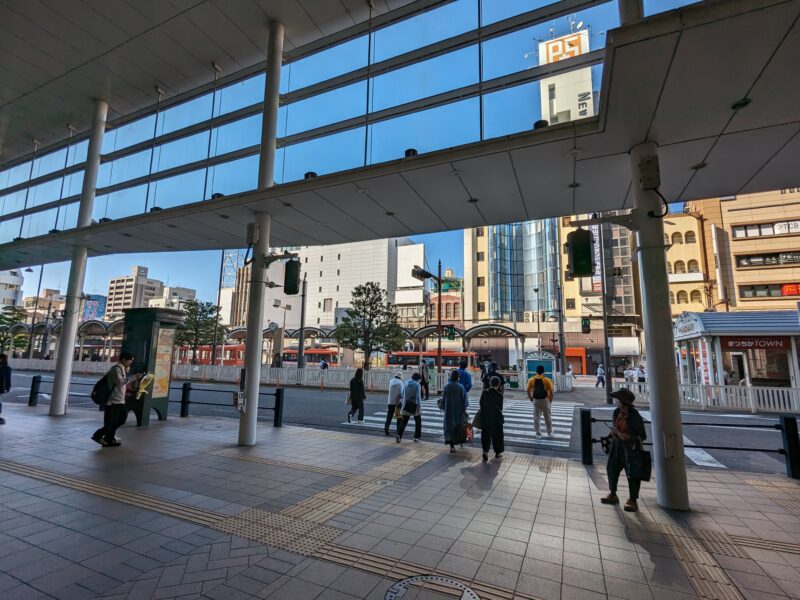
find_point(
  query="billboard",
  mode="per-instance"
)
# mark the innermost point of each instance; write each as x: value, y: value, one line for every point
x: 94, y: 308
x: 566, y: 96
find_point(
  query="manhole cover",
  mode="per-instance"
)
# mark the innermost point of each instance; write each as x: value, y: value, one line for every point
x: 399, y: 589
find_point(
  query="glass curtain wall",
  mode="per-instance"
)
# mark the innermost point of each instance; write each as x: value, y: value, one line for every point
x: 430, y: 81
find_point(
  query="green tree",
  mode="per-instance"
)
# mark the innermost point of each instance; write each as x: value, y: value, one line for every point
x: 371, y: 324
x: 198, y: 327
x: 10, y: 316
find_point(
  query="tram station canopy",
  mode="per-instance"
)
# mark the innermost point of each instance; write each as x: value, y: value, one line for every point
x: 714, y: 84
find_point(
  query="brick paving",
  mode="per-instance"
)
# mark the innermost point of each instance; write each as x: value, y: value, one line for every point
x: 179, y: 512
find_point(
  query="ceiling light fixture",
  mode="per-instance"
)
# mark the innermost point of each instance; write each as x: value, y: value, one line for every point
x: 700, y: 165
x: 310, y: 175
x: 574, y: 185
x: 741, y: 103
x: 411, y: 152
x: 472, y: 200
x: 389, y: 213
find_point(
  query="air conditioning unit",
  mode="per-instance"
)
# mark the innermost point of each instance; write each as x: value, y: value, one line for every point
x: 529, y: 316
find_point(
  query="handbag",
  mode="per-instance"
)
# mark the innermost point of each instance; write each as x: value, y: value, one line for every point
x: 638, y: 462
x: 476, y: 421
x: 349, y: 400
x: 410, y: 407
x: 469, y: 433
x: 440, y: 403
x: 461, y: 434
x: 397, y: 414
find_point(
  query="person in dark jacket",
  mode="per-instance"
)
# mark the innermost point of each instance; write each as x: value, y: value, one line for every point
x: 5, y: 382
x: 357, y: 396
x: 628, y: 430
x: 492, y: 419
x: 493, y: 371
x: 454, y: 405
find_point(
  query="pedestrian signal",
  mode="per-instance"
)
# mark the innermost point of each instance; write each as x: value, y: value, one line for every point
x: 580, y: 253
x: 291, y: 277
x: 586, y: 325
x: 451, y: 333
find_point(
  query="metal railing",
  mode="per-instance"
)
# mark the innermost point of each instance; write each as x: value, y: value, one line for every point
x: 786, y: 424
x: 755, y: 399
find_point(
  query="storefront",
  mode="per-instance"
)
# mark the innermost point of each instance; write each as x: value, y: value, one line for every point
x: 752, y: 348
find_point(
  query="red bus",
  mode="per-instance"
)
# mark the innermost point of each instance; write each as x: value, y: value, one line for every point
x: 450, y: 358
x: 313, y: 356
x: 232, y: 354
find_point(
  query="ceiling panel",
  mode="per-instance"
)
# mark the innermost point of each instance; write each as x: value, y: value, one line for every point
x: 492, y: 180
x: 676, y: 164
x: 604, y: 183
x: 735, y: 159
x: 781, y: 172
x: 365, y: 209
x: 713, y: 68
x: 394, y: 194
x: 544, y: 173
x: 441, y: 188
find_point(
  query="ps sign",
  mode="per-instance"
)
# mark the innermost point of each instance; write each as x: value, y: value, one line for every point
x: 568, y: 46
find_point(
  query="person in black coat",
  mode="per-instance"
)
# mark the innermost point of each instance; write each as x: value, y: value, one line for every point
x: 5, y: 382
x: 492, y: 419
x: 357, y: 396
x: 627, y: 431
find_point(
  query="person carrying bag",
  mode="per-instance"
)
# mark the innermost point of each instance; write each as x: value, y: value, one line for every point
x: 626, y: 451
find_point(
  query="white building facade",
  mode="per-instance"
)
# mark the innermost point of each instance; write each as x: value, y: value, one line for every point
x: 11, y: 288
x: 132, y: 291
x: 173, y: 297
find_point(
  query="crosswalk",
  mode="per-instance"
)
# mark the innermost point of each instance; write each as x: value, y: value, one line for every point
x: 518, y: 427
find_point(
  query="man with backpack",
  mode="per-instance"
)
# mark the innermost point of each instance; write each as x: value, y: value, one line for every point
x: 110, y: 391
x: 540, y: 392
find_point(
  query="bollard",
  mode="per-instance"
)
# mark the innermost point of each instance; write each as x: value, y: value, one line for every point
x: 186, y: 393
x: 791, y: 445
x: 278, y: 422
x: 586, y: 436
x: 33, y: 399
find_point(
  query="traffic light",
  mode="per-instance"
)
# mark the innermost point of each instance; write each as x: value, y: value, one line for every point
x: 580, y: 253
x: 419, y: 273
x: 451, y: 333
x: 586, y: 325
x: 291, y: 277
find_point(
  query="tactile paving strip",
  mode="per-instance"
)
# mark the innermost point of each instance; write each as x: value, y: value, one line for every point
x: 785, y: 493
x: 241, y: 454
x: 719, y: 542
x: 708, y: 579
x: 397, y: 569
x: 766, y: 544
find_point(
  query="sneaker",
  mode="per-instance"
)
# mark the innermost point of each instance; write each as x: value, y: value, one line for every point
x: 417, y: 439
x: 631, y: 506
x: 99, y: 439
x: 348, y: 417
x: 386, y: 431
x: 397, y: 439
x: 452, y: 450
x: 361, y: 421
x: 2, y: 421
x: 485, y: 457
x: 610, y: 499
x: 113, y: 444
x: 499, y: 455
x: 538, y: 436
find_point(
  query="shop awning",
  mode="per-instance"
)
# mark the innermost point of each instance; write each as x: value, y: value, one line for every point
x: 745, y: 323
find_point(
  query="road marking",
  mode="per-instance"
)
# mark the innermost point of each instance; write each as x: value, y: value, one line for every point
x: 697, y: 455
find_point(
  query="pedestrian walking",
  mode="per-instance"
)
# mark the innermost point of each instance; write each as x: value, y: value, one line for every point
x: 493, y: 371
x: 540, y: 392
x: 395, y: 400
x: 323, y: 364
x: 492, y: 419
x: 412, y: 407
x: 464, y: 378
x: 454, y: 404
x: 357, y: 396
x: 627, y: 433
x: 116, y: 409
x: 5, y: 382
x: 601, y: 376
x: 425, y: 375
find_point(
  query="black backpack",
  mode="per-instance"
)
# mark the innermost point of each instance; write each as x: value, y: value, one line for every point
x: 539, y: 391
x: 101, y: 391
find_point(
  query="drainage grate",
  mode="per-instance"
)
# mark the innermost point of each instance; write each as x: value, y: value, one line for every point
x: 765, y: 544
x: 238, y: 454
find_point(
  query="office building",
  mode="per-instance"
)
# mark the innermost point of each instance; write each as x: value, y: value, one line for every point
x: 48, y: 299
x: 131, y: 291
x: 173, y: 297
x: 93, y: 307
x: 411, y: 295
x: 690, y: 289
x: 11, y: 288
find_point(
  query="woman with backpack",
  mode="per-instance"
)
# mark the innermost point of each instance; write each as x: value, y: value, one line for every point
x: 357, y: 396
x: 412, y: 407
x: 454, y: 404
x: 492, y: 419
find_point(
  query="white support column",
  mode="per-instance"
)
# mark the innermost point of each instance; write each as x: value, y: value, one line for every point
x: 669, y: 461
x: 248, y: 419
x: 77, y: 271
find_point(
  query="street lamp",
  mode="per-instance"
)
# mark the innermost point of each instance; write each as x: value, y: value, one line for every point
x: 419, y: 273
x: 538, y: 322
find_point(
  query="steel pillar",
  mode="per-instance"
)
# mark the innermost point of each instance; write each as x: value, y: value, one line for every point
x: 630, y: 11
x: 77, y: 271
x: 667, y: 431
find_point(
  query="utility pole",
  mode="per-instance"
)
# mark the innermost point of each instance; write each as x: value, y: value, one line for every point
x: 301, y: 350
x: 35, y: 312
x: 562, y: 361
x: 538, y: 321
x: 216, y: 312
x: 439, y: 327
x: 606, y: 347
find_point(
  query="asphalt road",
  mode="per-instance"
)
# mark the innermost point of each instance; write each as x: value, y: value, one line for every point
x: 326, y: 409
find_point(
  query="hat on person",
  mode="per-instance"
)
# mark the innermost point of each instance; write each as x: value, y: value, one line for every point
x: 624, y: 395
x: 399, y: 375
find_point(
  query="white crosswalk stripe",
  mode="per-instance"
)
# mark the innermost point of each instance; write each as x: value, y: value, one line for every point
x: 518, y: 428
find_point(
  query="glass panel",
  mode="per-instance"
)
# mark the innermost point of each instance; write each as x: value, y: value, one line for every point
x: 497, y: 10
x: 520, y: 50
x: 49, y: 163
x: 15, y: 175
x: 236, y: 135
x: 9, y: 230
x: 238, y: 95
x: 73, y: 184
x: 122, y: 203
x: 338, y: 152
x: 77, y: 153
x: 185, y: 114
x: 68, y: 216
x: 128, y: 134
x: 180, y: 152
x: 11, y: 203
x: 236, y: 176
x: 45, y: 192
x: 767, y: 229
x: 39, y: 223
x: 324, y: 65
x: 427, y: 78
x: 652, y: 7
x: 323, y: 109
x: 175, y: 191
x: 441, y: 127
x: 124, y: 169
x: 511, y: 110
x: 424, y: 29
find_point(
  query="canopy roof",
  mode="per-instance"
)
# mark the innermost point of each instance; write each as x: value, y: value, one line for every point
x: 755, y: 322
x: 673, y: 79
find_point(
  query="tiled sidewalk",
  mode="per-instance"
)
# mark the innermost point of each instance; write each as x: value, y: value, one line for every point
x: 180, y: 512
